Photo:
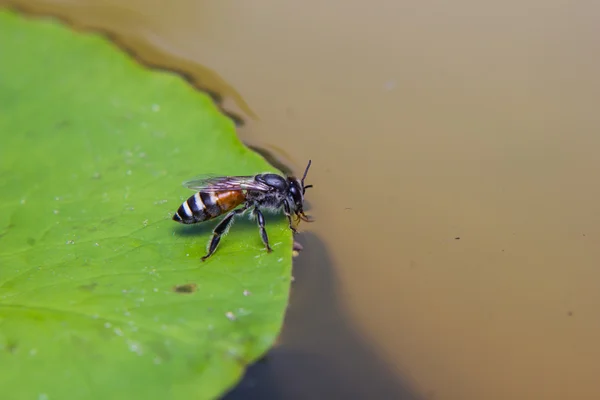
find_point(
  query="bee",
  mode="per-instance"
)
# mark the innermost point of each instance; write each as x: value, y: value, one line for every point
x: 216, y: 196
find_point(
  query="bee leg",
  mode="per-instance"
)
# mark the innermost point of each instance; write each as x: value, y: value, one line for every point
x: 220, y: 229
x: 288, y: 214
x: 260, y: 218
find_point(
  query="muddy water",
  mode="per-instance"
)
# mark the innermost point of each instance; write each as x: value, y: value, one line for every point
x: 455, y: 163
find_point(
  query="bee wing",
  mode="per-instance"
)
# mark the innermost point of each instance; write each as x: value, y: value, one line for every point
x: 224, y: 183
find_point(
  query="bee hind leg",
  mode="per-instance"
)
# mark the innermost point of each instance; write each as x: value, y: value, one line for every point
x: 220, y: 229
x: 260, y: 218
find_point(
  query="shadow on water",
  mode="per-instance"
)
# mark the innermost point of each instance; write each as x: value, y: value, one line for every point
x: 320, y: 355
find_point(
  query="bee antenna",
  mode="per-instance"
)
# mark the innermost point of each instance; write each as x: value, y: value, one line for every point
x: 306, y: 172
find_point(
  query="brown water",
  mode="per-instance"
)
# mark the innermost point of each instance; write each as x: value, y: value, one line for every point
x: 454, y: 146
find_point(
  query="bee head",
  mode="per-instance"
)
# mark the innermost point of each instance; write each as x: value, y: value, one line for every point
x: 296, y: 192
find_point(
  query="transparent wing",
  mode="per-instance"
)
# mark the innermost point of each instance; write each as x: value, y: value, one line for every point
x: 211, y: 183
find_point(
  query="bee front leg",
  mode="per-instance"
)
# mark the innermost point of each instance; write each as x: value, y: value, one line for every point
x: 288, y: 214
x: 220, y: 230
x: 260, y: 218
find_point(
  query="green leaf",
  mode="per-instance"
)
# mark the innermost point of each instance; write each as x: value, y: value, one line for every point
x: 102, y: 295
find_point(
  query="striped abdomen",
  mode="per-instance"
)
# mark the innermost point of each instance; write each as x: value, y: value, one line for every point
x: 207, y: 205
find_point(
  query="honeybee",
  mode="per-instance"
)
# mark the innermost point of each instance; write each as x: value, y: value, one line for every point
x: 216, y: 196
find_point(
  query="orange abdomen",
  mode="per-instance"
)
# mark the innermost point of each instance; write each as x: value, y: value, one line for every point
x: 227, y: 201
